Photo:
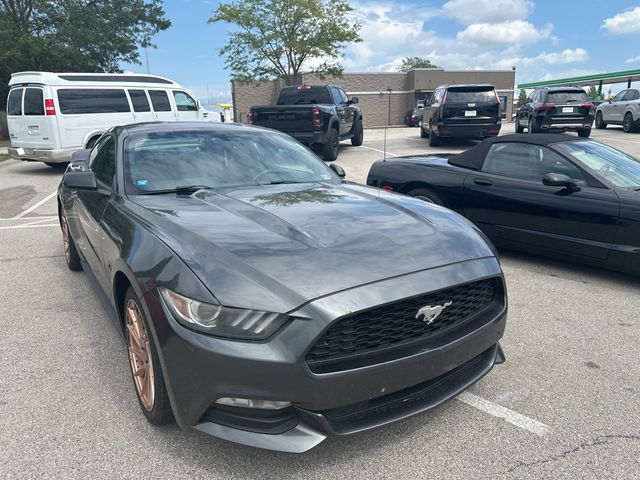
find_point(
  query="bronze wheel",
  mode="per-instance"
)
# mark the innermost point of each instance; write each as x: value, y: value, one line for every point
x: 140, y: 357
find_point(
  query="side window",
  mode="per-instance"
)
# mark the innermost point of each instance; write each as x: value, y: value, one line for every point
x: 160, y: 100
x: 631, y: 95
x: 335, y: 93
x: 33, y: 101
x: 618, y: 97
x: 14, y: 102
x: 139, y: 101
x: 527, y: 162
x: 103, y: 161
x: 184, y: 102
x: 437, y: 96
x: 92, y: 100
x: 343, y: 95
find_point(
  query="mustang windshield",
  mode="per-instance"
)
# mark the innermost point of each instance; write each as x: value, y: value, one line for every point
x: 162, y: 162
x: 620, y: 169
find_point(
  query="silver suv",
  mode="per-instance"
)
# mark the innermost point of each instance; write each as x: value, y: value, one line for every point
x: 623, y: 110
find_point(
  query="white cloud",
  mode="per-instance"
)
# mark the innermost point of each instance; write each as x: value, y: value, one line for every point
x: 566, y: 56
x: 624, y: 22
x: 510, y: 32
x: 633, y: 60
x: 487, y: 11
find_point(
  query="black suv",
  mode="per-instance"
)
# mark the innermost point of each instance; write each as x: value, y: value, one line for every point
x: 461, y: 111
x: 556, y: 108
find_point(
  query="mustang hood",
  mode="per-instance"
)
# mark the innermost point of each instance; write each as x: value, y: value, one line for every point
x: 277, y: 247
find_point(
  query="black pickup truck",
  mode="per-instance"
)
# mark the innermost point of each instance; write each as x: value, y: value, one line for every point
x: 317, y: 115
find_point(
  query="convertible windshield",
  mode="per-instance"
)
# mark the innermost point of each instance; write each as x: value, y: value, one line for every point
x: 178, y: 161
x: 620, y: 169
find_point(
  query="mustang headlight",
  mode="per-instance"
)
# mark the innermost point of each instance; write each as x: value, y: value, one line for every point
x: 222, y: 321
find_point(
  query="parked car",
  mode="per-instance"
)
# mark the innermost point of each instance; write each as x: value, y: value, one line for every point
x: 319, y: 116
x: 52, y: 115
x: 461, y: 111
x: 623, y: 110
x: 413, y: 117
x: 237, y: 264
x: 548, y: 109
x: 549, y: 194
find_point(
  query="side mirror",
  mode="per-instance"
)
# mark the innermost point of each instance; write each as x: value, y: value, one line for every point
x: 80, y: 156
x: 560, y: 180
x: 353, y: 100
x: 338, y: 170
x: 80, y: 180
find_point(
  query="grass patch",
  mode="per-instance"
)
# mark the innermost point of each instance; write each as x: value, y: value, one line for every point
x: 4, y: 157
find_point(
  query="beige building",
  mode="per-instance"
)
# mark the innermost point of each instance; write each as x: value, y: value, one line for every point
x: 407, y: 90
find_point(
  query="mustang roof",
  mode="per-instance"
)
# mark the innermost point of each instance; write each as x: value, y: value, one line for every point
x: 474, y: 157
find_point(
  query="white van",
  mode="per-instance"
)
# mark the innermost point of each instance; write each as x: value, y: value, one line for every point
x: 51, y: 115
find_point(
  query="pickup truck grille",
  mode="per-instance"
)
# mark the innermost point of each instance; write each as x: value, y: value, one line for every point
x: 383, y: 333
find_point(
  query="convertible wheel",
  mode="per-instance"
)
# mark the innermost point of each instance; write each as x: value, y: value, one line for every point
x: 145, y: 365
x: 600, y: 122
x: 627, y: 123
x: 71, y: 255
x: 426, y: 195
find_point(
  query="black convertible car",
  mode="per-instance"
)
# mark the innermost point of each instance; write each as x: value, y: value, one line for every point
x: 549, y: 194
x: 266, y: 301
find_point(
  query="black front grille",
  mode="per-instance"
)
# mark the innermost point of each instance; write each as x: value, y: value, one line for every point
x: 385, y: 332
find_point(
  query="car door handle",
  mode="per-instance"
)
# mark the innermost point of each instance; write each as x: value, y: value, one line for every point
x: 481, y: 181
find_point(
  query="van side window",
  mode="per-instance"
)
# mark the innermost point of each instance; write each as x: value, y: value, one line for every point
x: 92, y: 100
x: 160, y: 100
x: 139, y: 101
x: 184, y: 102
x: 103, y: 161
x: 14, y: 103
x: 33, y: 101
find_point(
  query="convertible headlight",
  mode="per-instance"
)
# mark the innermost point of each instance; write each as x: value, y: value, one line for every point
x: 222, y: 321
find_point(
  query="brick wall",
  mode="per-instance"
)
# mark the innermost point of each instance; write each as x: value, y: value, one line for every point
x: 371, y: 90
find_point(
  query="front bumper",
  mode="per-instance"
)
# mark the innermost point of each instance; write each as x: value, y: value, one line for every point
x: 478, y: 130
x: 41, y: 155
x: 199, y: 369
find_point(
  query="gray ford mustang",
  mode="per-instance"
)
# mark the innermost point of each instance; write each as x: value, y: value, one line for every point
x: 266, y: 301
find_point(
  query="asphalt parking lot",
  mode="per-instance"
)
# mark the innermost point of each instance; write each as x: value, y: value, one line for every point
x: 564, y: 405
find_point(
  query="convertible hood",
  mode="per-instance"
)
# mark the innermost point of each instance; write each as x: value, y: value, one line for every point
x: 277, y: 247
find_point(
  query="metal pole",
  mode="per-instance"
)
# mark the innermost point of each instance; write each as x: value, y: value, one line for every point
x: 146, y: 56
x: 384, y: 148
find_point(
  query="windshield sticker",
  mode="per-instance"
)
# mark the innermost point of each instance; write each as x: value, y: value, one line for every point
x: 142, y: 182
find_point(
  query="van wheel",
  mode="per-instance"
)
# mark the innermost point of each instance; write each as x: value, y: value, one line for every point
x: 57, y: 165
x: 92, y: 141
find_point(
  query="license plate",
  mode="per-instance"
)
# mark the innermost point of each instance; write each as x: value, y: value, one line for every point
x: 567, y: 109
x: 20, y: 151
x: 469, y: 113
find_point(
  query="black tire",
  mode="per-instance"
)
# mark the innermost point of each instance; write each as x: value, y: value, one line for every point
x: 92, y: 141
x: 71, y: 255
x: 60, y: 166
x: 627, y: 124
x: 600, y: 122
x: 519, y: 128
x: 358, y: 134
x: 423, y: 134
x: 160, y: 413
x: 426, y: 195
x: 434, y: 139
x: 330, y: 148
x: 531, y: 126
x: 584, y: 132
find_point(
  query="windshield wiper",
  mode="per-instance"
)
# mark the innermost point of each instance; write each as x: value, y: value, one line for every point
x: 179, y: 190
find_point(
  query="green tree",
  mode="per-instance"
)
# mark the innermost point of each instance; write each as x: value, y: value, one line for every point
x: 74, y: 35
x: 282, y: 38
x: 411, y: 63
x: 522, y: 98
x: 593, y: 93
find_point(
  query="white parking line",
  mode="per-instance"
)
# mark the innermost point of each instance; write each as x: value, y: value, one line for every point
x: 381, y: 151
x: 506, y: 414
x: 16, y: 227
x: 34, y: 207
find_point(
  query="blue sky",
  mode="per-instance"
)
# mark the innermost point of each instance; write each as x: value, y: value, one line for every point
x: 543, y: 39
